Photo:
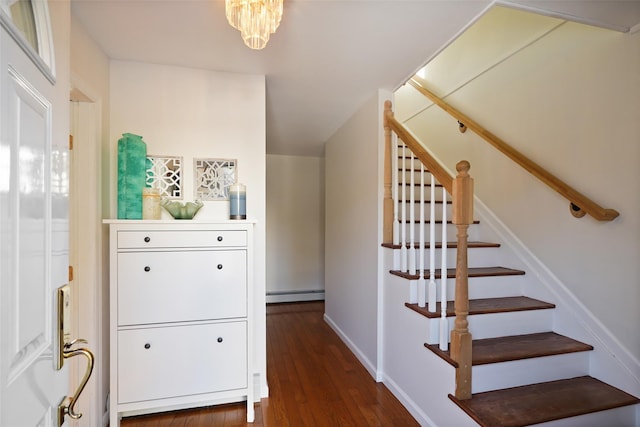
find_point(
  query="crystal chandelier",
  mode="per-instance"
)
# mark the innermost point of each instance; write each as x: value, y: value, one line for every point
x: 256, y: 19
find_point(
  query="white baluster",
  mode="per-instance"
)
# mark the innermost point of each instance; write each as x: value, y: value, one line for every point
x: 403, y: 238
x: 413, y: 285
x: 432, y: 248
x: 444, y: 326
x: 422, y: 297
x: 412, y: 217
x: 396, y: 201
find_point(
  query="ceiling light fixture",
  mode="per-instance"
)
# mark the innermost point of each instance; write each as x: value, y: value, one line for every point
x: 256, y: 19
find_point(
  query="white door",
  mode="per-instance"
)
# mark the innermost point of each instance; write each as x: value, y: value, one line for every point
x: 33, y: 219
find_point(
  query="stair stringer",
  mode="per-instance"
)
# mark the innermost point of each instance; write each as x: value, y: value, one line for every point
x: 610, y: 361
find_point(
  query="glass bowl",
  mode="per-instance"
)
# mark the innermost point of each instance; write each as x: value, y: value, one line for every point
x: 179, y: 210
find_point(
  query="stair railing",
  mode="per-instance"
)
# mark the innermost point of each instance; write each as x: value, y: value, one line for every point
x: 579, y: 204
x: 396, y: 223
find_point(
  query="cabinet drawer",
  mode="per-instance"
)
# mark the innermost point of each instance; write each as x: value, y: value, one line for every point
x: 181, y: 239
x: 157, y: 287
x: 157, y: 363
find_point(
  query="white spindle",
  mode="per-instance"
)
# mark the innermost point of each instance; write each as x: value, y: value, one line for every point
x: 412, y: 218
x: 413, y: 285
x: 444, y: 326
x: 403, y: 238
x: 422, y: 297
x: 394, y: 192
x: 432, y: 248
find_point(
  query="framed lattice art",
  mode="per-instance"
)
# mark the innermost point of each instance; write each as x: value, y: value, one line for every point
x: 165, y: 174
x: 212, y: 178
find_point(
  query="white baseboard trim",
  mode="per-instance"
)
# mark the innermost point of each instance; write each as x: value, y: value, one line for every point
x: 407, y: 402
x: 295, y: 296
x: 370, y: 367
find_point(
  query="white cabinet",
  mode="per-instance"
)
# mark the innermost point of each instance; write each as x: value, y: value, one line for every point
x: 181, y: 315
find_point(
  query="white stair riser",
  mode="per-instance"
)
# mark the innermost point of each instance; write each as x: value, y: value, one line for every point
x: 476, y: 257
x: 481, y: 287
x: 416, y: 210
x: 416, y: 190
x: 529, y: 371
x: 618, y: 417
x: 473, y: 232
x: 512, y: 323
x: 499, y: 324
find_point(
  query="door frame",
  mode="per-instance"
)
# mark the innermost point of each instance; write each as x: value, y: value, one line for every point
x: 86, y: 249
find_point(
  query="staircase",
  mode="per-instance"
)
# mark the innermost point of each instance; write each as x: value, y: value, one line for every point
x: 531, y: 375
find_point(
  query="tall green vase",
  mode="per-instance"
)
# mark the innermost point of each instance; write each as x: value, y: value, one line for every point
x: 132, y: 170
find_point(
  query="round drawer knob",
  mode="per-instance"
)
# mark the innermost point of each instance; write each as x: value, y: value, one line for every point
x: 147, y: 239
x: 219, y: 266
x: 147, y: 346
x: 220, y: 339
x: 219, y: 238
x: 147, y: 268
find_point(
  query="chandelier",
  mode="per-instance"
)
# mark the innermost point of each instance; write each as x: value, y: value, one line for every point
x: 256, y: 19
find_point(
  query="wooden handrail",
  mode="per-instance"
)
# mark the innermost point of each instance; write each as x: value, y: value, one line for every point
x: 579, y: 203
x: 441, y: 175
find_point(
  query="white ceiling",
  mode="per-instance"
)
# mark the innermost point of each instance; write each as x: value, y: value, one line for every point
x: 326, y: 58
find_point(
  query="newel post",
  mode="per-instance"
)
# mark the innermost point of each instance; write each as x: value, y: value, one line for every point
x: 387, y: 230
x: 462, y: 195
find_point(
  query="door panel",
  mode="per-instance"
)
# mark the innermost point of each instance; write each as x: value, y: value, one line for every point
x: 33, y: 240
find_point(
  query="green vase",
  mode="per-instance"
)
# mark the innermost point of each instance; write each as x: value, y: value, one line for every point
x: 132, y: 174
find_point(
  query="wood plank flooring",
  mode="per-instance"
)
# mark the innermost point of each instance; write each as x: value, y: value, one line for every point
x: 314, y: 380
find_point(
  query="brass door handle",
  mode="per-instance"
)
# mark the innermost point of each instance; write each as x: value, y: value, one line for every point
x: 67, y: 353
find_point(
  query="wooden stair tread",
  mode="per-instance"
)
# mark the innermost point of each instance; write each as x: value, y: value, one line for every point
x: 472, y: 272
x: 543, y: 402
x: 438, y: 221
x: 451, y: 245
x: 408, y: 184
x: 487, y: 306
x: 426, y: 202
x: 516, y: 347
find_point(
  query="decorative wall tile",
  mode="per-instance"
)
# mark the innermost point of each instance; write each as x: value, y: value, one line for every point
x: 212, y: 178
x: 165, y: 173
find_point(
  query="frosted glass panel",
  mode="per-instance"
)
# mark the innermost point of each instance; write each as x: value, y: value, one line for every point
x: 23, y: 17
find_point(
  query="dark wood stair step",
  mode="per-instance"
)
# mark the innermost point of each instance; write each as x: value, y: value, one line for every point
x: 417, y: 184
x: 516, y: 347
x: 438, y: 221
x: 450, y: 245
x: 426, y: 202
x: 472, y: 272
x: 487, y: 306
x: 543, y: 402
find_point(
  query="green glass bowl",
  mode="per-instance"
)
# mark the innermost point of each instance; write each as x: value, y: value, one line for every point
x: 179, y: 210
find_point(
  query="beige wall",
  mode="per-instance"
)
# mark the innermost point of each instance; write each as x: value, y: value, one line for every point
x: 295, y: 228
x: 353, y: 200
x: 569, y: 100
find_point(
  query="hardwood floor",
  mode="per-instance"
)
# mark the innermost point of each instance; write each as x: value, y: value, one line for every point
x: 314, y: 380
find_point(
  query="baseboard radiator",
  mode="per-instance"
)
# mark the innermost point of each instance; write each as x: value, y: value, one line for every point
x: 294, y: 296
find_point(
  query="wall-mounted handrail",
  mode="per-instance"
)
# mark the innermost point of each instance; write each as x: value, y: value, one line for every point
x: 432, y: 165
x: 579, y: 203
